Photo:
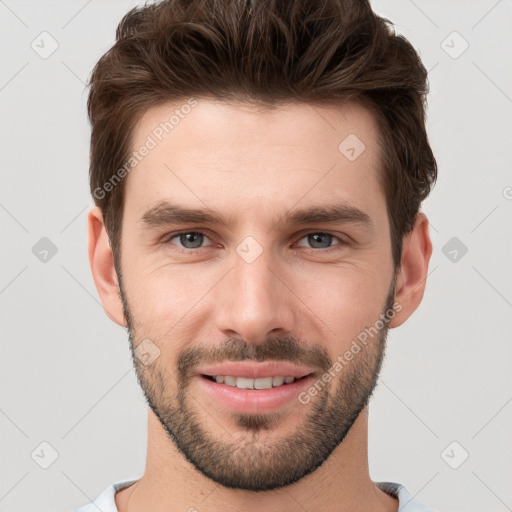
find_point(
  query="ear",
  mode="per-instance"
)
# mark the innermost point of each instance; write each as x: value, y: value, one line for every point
x: 104, y: 273
x: 412, y: 277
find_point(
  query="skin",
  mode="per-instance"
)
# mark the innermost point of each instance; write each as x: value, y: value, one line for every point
x: 256, y: 165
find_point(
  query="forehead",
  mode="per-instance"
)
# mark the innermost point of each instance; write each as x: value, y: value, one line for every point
x: 217, y: 154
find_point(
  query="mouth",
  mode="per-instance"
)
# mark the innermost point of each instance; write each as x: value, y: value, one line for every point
x: 260, y: 383
x: 246, y: 371
x: 255, y: 388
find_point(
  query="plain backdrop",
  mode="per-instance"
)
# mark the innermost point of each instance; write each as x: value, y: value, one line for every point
x: 440, y: 418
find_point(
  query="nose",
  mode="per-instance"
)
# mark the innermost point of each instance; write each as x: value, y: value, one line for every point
x: 255, y: 300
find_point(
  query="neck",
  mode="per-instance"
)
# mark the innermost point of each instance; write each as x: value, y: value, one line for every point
x: 170, y: 483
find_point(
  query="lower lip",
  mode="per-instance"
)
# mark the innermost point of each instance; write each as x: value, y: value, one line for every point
x: 254, y: 401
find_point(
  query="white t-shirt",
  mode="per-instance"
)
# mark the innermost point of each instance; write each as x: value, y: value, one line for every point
x: 106, y: 502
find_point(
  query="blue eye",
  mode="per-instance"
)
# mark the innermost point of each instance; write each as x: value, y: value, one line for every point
x: 194, y: 238
x: 321, y: 238
x: 190, y: 241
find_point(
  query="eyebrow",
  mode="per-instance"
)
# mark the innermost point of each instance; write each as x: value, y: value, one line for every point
x: 165, y: 214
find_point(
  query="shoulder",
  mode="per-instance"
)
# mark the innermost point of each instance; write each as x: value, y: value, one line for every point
x: 106, y: 500
x: 406, y: 502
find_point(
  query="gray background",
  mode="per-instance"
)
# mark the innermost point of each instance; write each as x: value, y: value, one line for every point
x: 65, y: 372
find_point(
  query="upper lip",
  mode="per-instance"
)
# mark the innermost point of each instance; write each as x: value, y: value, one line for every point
x: 252, y: 370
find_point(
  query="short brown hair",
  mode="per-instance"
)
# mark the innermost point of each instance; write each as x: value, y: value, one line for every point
x: 264, y: 52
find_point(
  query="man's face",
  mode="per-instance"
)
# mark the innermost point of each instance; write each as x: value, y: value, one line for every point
x: 265, y: 289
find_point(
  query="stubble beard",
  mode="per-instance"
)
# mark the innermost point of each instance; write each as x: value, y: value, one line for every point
x: 240, y: 451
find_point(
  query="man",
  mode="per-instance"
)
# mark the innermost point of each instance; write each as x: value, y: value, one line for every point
x: 258, y: 169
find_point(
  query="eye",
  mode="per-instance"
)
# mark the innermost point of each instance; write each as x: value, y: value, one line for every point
x: 193, y: 240
x: 188, y: 239
x: 319, y: 239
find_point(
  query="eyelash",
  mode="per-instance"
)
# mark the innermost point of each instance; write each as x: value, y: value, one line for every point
x: 343, y: 243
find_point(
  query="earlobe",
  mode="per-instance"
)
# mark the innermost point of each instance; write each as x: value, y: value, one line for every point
x: 411, y: 280
x: 103, y: 270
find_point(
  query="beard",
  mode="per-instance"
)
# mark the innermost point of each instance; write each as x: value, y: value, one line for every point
x: 246, y: 459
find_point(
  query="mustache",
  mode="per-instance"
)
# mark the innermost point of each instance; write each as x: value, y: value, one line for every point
x: 272, y: 349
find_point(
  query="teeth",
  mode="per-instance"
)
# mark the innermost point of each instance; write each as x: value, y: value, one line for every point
x: 277, y: 381
x: 262, y: 383
x: 243, y: 383
x: 230, y: 381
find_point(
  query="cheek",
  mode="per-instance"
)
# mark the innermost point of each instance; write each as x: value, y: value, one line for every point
x: 164, y: 296
x: 346, y: 297
x: 350, y: 300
